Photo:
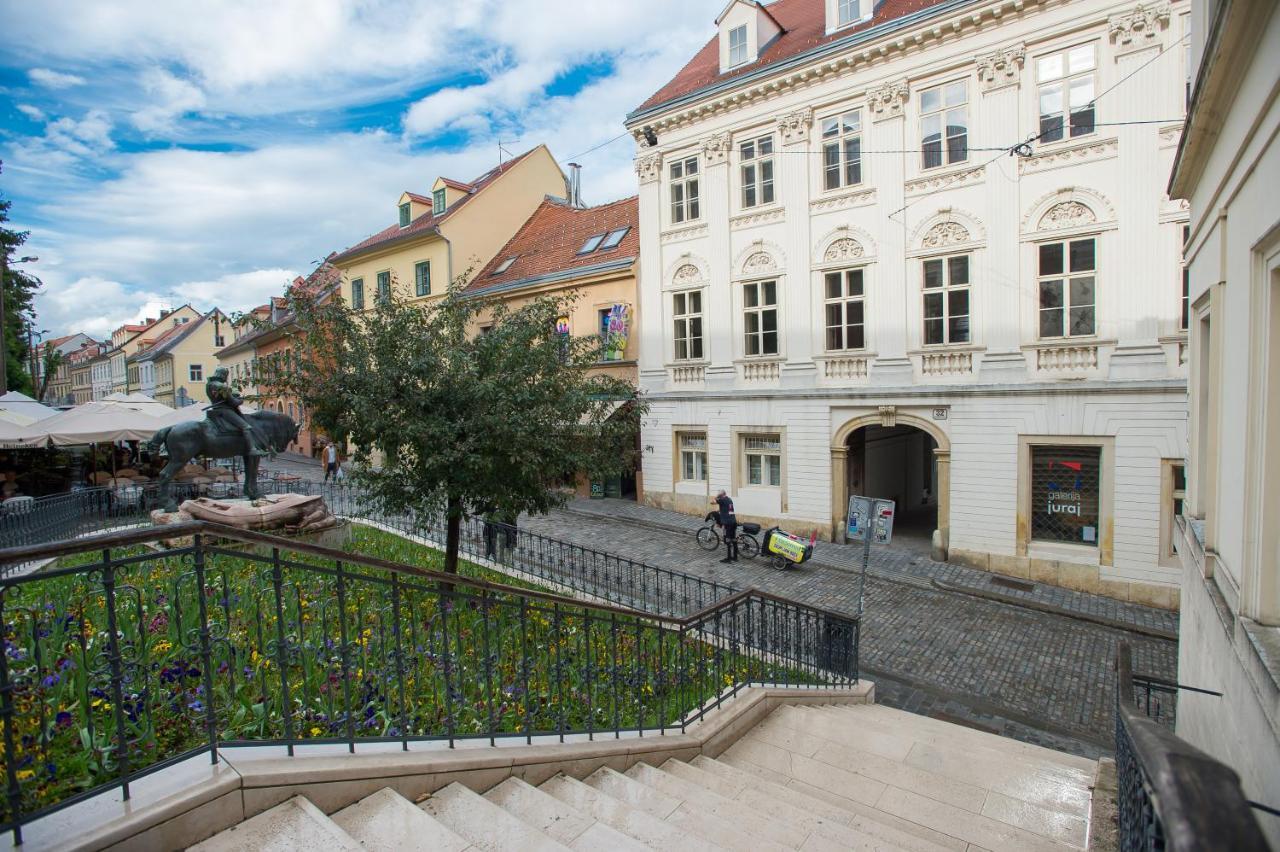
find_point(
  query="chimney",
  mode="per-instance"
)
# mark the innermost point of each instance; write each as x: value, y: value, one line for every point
x: 575, y: 185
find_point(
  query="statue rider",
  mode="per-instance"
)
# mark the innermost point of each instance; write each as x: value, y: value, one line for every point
x: 225, y: 410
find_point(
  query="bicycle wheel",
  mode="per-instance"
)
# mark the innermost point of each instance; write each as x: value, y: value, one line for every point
x: 708, y: 538
x: 748, y: 546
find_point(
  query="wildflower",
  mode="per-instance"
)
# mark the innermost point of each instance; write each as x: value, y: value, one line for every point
x: 50, y: 680
x: 163, y: 646
x: 63, y: 719
x: 315, y: 731
x: 25, y: 774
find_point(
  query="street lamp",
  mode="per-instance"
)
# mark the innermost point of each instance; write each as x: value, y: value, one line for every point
x: 4, y: 354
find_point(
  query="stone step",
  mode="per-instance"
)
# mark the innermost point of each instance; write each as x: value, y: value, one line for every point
x: 558, y: 820
x: 867, y: 821
x: 780, y: 833
x: 677, y: 812
x: 292, y: 826
x: 486, y: 825
x: 645, y: 827
x: 388, y: 822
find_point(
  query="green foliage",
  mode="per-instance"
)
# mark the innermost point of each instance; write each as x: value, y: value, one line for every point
x: 446, y: 420
x: 19, y: 290
x: 52, y: 360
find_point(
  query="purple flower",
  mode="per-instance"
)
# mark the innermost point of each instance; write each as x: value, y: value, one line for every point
x: 63, y: 719
x: 50, y: 680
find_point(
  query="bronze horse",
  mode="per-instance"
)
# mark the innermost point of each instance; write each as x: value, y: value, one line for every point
x: 186, y: 441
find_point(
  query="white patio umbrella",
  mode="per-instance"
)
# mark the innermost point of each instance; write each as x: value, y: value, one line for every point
x: 140, y: 401
x: 12, y: 435
x: 20, y: 403
x: 92, y: 423
x: 15, y: 418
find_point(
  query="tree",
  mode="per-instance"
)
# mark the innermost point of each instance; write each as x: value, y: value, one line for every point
x: 49, y: 364
x: 456, y: 421
x: 19, y: 290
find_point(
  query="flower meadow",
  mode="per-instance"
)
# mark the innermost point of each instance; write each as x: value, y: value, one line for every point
x: 300, y: 651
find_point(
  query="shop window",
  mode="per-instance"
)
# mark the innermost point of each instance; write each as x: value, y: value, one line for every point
x: 1065, y: 494
x: 693, y: 456
x: 762, y: 457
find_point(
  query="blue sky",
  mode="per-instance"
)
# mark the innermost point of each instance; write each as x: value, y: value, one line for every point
x: 210, y: 151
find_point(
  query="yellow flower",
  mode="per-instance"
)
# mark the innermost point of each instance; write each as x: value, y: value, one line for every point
x: 162, y: 646
x: 24, y: 774
x: 315, y: 732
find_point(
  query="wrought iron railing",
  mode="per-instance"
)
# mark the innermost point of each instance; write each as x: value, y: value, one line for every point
x: 140, y: 648
x: 1171, y: 795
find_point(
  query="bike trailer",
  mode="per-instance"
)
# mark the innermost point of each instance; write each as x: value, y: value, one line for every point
x: 786, y: 546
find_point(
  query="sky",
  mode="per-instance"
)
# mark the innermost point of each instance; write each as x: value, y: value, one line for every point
x: 208, y: 152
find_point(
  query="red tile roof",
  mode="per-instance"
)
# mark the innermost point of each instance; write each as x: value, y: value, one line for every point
x: 549, y: 241
x: 427, y: 222
x: 804, y: 26
x: 421, y: 199
x: 457, y: 184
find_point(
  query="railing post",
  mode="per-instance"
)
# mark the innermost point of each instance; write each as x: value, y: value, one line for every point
x: 12, y: 787
x: 346, y: 658
x: 399, y: 652
x: 115, y: 660
x: 282, y: 655
x: 206, y: 646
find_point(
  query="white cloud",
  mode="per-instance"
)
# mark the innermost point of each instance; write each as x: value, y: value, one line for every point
x: 168, y: 98
x: 54, y: 79
x: 90, y: 135
x: 32, y: 112
x: 510, y: 90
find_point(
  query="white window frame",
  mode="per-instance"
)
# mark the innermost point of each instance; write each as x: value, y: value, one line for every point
x: 755, y: 157
x: 738, y: 53
x: 1066, y: 279
x: 755, y: 310
x: 685, y: 186
x: 943, y: 111
x: 841, y: 132
x: 1065, y: 79
x: 685, y: 319
x: 844, y: 301
x: 755, y: 445
x: 848, y: 12
x: 1184, y: 303
x: 692, y: 457
x: 945, y: 290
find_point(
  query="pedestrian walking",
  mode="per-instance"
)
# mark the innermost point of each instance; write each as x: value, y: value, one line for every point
x: 729, y: 526
x: 330, y: 461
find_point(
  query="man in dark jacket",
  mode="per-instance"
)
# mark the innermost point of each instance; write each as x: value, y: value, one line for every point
x: 729, y: 526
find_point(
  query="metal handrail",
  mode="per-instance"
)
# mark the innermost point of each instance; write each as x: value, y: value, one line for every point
x: 1172, y: 795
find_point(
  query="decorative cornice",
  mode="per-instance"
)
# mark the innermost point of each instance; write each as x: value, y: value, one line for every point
x: 649, y: 167
x: 794, y: 126
x: 691, y: 232
x: 945, y: 234
x: 1096, y: 149
x: 845, y: 248
x: 1169, y: 136
x: 857, y: 198
x: 886, y: 100
x: 716, y: 148
x: 1138, y: 28
x: 688, y: 273
x: 760, y: 261
x: 1066, y: 214
x: 1001, y: 68
x: 763, y: 217
x: 932, y: 183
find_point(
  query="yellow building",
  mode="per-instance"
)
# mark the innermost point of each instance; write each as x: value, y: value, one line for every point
x: 174, y: 367
x: 593, y: 253
x: 128, y: 339
x: 454, y: 231
x: 240, y: 352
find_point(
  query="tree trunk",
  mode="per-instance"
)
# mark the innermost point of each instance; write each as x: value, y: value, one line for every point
x: 453, y: 536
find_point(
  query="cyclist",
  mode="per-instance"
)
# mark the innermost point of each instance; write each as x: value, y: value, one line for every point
x: 729, y: 523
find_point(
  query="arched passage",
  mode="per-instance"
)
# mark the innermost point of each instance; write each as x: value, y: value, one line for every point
x: 897, y: 456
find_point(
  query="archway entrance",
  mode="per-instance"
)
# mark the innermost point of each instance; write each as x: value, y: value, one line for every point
x: 901, y: 458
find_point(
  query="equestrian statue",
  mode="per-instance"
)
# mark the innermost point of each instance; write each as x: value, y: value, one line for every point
x: 223, y: 432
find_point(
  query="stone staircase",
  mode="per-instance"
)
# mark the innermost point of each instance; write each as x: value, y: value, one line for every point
x: 859, y: 777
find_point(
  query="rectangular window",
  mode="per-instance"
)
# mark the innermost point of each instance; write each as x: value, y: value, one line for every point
x: 196, y: 372
x: 614, y: 238
x: 760, y: 317
x: 607, y: 353
x: 422, y: 278
x: 404, y: 215
x: 219, y: 341
x: 1184, y: 317
x: 1067, y: 289
x: 357, y: 294
x: 847, y: 12
x: 756, y: 157
x: 842, y: 150
x: 684, y: 190
x: 944, y: 124
x: 737, y: 45
x: 763, y: 459
x: 687, y: 311
x: 946, y: 300
x: 437, y: 202
x: 1066, y: 91
x: 1065, y: 494
x: 845, y: 308
x: 384, y: 286
x: 1173, y: 491
x: 693, y: 456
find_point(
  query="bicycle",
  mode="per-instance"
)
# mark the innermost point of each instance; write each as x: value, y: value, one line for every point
x: 709, y: 537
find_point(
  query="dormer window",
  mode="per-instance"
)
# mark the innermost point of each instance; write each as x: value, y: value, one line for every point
x: 437, y: 202
x: 847, y: 13
x: 737, y: 46
x: 404, y: 215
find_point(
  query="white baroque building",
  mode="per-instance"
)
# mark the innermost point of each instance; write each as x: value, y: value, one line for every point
x: 851, y: 286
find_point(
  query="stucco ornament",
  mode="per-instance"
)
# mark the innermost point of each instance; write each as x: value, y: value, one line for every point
x: 945, y: 234
x: 761, y: 261
x: 794, y: 126
x: 1001, y: 67
x: 686, y: 274
x: 1066, y: 214
x: 1139, y: 27
x: 886, y: 101
x: 716, y: 148
x: 845, y: 248
x: 649, y: 167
